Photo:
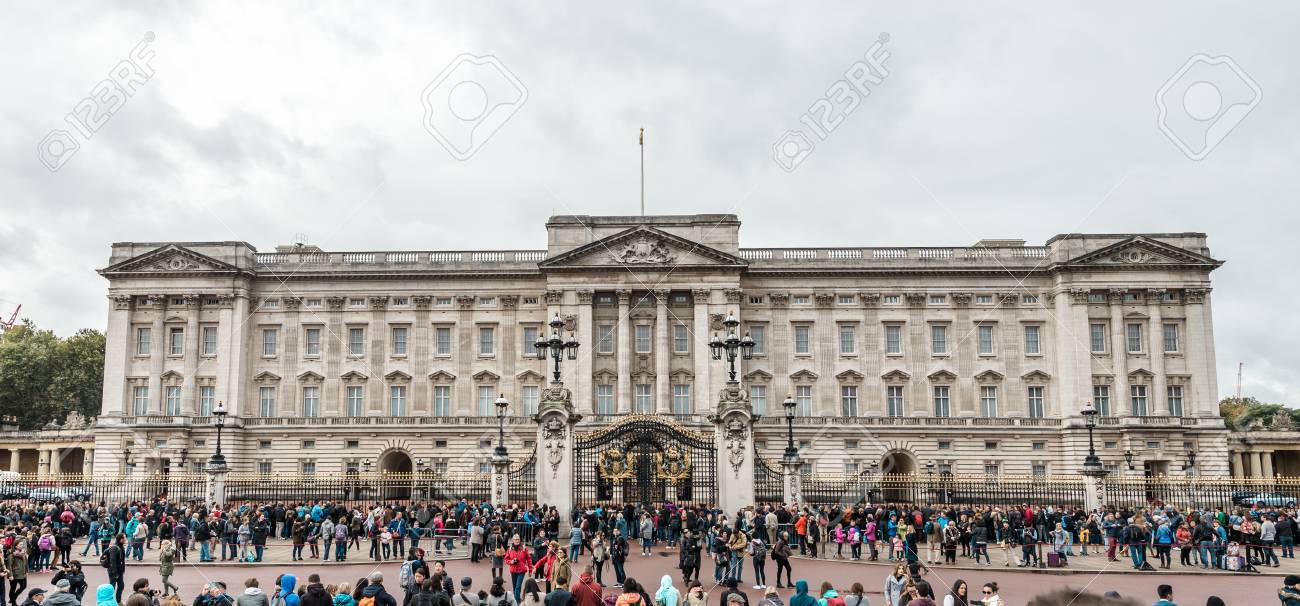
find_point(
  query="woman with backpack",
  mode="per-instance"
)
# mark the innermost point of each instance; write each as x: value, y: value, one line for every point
x: 857, y: 596
x: 758, y: 554
x: 167, y: 565
x: 781, y: 553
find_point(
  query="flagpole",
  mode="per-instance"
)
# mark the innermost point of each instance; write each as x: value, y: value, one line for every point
x: 641, y: 141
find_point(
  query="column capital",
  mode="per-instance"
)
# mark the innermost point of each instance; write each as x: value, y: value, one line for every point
x: 779, y: 299
x: 191, y: 301
x: 155, y: 300
x: 824, y: 299
x: 554, y: 296
x: 624, y: 296
x: 661, y: 295
x: 701, y: 295
x: 1153, y: 295
x: 292, y: 303
x: 378, y: 303
x: 1196, y: 295
x: 122, y: 301
x: 585, y: 296
x: 869, y: 299
x: 961, y: 299
x: 509, y: 301
x: 1079, y: 295
x: 1115, y: 295
x: 422, y: 301
x: 915, y: 299
x: 465, y: 301
x: 733, y: 294
x: 335, y: 303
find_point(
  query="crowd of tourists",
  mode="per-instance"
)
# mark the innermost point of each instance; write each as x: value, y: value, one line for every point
x: 525, y: 548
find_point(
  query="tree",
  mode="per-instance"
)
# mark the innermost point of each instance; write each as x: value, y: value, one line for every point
x: 1240, y: 413
x: 43, y: 378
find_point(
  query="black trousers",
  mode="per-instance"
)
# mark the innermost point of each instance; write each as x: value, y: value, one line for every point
x: 16, y: 587
x: 784, y: 564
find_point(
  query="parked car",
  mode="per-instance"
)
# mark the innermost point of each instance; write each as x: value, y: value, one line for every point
x: 1273, y: 499
x: 14, y: 490
x: 66, y: 493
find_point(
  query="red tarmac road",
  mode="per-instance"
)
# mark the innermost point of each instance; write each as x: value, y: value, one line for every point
x: 1017, y: 587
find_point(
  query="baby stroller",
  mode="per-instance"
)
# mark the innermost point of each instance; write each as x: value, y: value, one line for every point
x: 1235, y: 561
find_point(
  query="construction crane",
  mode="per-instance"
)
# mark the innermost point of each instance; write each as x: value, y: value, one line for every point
x: 7, y: 324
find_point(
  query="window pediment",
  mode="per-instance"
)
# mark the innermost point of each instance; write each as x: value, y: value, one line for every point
x: 989, y: 376
x: 804, y: 376
x: 441, y: 376
x: 896, y: 376
x: 942, y: 376
x: 758, y: 376
x: 266, y: 376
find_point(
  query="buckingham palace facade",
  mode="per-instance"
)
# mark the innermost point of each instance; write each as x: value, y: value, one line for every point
x: 974, y: 359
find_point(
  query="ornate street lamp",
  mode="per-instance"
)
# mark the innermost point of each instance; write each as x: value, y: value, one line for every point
x: 218, y: 460
x: 1089, y: 413
x: 1128, y: 458
x: 791, y: 453
x: 929, y: 478
x: 503, y: 406
x: 557, y: 345
x: 1191, y: 460
x: 732, y: 345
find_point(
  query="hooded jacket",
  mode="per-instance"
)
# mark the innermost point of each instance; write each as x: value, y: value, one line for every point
x: 253, y: 596
x: 830, y: 598
x: 286, y: 596
x: 667, y: 594
x: 801, y: 597
x: 586, y: 592
x: 1289, y: 596
x: 61, y: 598
x: 315, y: 595
x: 344, y: 599
x: 376, y: 591
x: 105, y: 595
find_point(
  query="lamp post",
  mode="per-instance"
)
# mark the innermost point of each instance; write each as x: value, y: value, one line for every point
x: 791, y: 453
x: 732, y: 345
x: 1128, y: 458
x: 929, y: 478
x: 1089, y: 413
x: 502, y: 407
x: 218, y: 460
x: 1191, y: 462
x: 557, y: 345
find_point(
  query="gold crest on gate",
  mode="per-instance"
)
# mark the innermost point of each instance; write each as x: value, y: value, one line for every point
x: 673, y: 464
x: 614, y: 464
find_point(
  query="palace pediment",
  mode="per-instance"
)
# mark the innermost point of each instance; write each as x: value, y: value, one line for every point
x: 1141, y: 251
x: 171, y: 259
x: 642, y: 247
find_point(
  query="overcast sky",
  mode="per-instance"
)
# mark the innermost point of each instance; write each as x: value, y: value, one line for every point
x: 252, y: 122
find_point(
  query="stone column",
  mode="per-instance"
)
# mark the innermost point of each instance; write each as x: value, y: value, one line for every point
x: 336, y: 348
x: 15, y: 456
x: 43, y: 461
x: 216, y: 485
x: 700, y: 345
x: 377, y: 357
x: 583, y: 397
x: 1094, y: 487
x: 1159, y: 402
x: 119, y: 350
x: 734, y: 440
x: 1266, y: 458
x: 663, y: 354
x: 234, y: 350
x: 292, y: 347
x: 465, y: 402
x: 508, y: 351
x: 1256, y: 465
x: 1203, y: 393
x: 1121, y: 402
x: 555, y: 424
x: 193, y: 353
x: 624, y: 354
x: 501, y: 481
x: 1238, y: 465
x: 88, y: 462
x: 793, y: 479
x: 421, y: 331
x: 56, y: 466
x: 157, y: 353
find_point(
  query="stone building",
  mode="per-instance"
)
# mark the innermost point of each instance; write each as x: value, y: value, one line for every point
x: 977, y: 359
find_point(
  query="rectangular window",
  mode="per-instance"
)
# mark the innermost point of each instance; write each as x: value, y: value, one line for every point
x: 1039, y: 470
x: 642, y: 338
x: 311, y: 401
x: 266, y: 402
x: 1138, y: 400
x: 848, y: 401
x: 356, y: 400
x: 759, y: 334
x: 938, y: 339
x: 486, y: 341
x: 643, y: 399
x: 800, y: 300
x: 308, y: 468
x: 486, y: 400
x: 803, y: 400
x: 1036, y: 402
x: 528, y: 348
x: 801, y: 340
x: 442, y: 401
x: 983, y: 299
x: 758, y: 398
x: 176, y: 341
x: 142, y: 337
x: 604, y: 399
x: 755, y: 300
x: 399, y: 341
x: 1096, y: 297
x: 1097, y: 338
x: 264, y: 468
x: 269, y: 341
x: 942, y: 405
x: 442, y: 341
x: 312, y: 347
x: 1031, y: 340
x: 606, y: 343
x: 894, y: 401
x: 992, y: 469
x: 986, y: 340
x: 894, y: 339
x: 845, y: 299
x: 1101, y: 399
x: 681, y: 399
x: 938, y: 299
x: 1174, y: 395
x: 532, y: 397
x: 944, y: 445
x: 681, y: 339
x: 1134, y: 338
x: 173, y: 400
x: 893, y: 299
x: 356, y: 341
x: 1171, y: 337
x: 356, y: 302
x: 207, y: 399
x: 989, y: 401
x: 1029, y: 299
x: 397, y: 400
x: 848, y: 341
x: 209, y: 340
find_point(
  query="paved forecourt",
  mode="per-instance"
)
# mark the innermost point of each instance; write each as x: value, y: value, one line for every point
x: 1017, y: 586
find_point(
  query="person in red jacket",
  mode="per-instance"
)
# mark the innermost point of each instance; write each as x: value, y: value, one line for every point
x: 520, y: 561
x: 544, y: 566
x: 587, y: 592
